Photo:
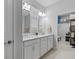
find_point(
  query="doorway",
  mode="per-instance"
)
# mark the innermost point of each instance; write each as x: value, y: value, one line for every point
x: 66, y: 28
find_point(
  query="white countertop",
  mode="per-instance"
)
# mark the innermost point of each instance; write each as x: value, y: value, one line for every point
x: 25, y: 38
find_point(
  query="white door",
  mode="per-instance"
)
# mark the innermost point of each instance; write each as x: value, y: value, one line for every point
x: 8, y: 30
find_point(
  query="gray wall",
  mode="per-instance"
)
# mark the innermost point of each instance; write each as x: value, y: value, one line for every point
x: 64, y: 6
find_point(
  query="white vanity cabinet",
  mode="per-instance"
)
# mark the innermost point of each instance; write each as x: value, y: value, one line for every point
x: 50, y: 42
x: 31, y: 49
x: 37, y: 47
x: 43, y: 45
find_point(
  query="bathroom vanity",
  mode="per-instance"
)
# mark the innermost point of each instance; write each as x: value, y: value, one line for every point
x: 36, y: 47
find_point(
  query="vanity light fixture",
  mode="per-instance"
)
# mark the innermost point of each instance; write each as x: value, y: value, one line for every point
x: 41, y: 14
x: 26, y: 6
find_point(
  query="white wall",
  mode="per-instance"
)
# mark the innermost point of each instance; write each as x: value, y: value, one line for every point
x: 64, y: 6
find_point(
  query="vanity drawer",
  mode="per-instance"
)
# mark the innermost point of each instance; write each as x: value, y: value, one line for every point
x: 30, y: 42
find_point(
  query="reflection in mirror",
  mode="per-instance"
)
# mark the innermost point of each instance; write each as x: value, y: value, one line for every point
x: 35, y: 22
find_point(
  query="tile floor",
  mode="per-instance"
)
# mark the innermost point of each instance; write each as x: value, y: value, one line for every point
x: 64, y: 51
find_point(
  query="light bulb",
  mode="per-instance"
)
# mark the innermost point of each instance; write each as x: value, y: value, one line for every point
x: 40, y: 13
x: 43, y: 14
x: 26, y: 6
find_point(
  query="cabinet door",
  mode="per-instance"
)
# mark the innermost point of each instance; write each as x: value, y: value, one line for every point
x: 32, y: 49
x: 43, y: 46
x: 50, y: 43
x: 28, y: 52
x: 36, y: 51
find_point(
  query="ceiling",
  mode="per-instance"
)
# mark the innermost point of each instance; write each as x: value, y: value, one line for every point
x: 35, y: 4
x: 47, y: 3
x: 42, y: 4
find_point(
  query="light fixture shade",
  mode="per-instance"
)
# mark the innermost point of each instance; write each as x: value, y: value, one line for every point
x: 41, y: 14
x: 26, y: 6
